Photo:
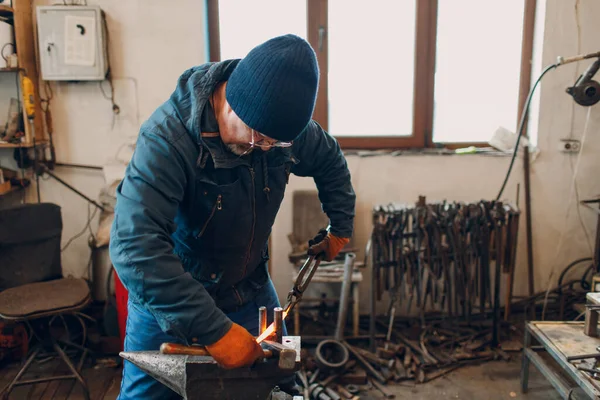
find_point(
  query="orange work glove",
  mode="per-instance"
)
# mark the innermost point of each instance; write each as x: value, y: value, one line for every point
x: 327, y: 244
x: 238, y: 348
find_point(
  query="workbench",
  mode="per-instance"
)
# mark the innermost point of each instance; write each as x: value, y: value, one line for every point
x: 591, y: 313
x: 333, y: 273
x: 560, y: 340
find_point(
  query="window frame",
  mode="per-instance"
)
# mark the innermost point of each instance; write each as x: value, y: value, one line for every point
x: 424, y: 74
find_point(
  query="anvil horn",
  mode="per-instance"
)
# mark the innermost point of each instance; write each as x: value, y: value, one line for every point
x: 167, y: 369
x: 201, y: 378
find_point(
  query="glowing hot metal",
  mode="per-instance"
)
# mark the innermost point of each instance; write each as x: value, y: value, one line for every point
x: 270, y: 330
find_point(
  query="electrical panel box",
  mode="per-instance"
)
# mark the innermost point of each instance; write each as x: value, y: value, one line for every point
x: 72, y: 43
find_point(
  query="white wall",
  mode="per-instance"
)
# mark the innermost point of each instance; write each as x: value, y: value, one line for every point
x: 560, y: 118
x: 147, y: 47
x: 151, y: 43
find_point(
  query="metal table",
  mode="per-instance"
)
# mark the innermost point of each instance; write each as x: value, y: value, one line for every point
x: 591, y: 314
x: 560, y: 340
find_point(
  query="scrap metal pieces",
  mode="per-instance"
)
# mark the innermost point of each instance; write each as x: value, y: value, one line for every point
x: 331, y: 355
x: 439, y: 349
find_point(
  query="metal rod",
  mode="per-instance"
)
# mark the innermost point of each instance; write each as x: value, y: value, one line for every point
x: 35, y: 164
x: 556, y: 380
x: 47, y: 171
x: 82, y: 166
x: 373, y: 311
x: 597, y: 248
x: 278, y: 318
x: 48, y: 379
x: 529, y: 226
x: 563, y: 61
x: 345, y: 295
x: 17, y: 378
x: 370, y: 369
x: 262, y: 319
x: 583, y: 357
x: 383, y: 389
x: 497, y: 277
x: 75, y: 372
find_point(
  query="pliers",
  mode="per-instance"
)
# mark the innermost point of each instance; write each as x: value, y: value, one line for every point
x: 304, y: 277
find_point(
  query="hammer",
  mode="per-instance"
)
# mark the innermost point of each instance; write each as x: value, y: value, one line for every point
x: 286, y: 361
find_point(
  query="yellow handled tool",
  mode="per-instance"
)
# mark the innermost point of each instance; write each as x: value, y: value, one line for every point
x: 29, y: 98
x: 29, y: 105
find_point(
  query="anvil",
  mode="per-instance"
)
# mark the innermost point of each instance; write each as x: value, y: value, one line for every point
x: 197, y: 377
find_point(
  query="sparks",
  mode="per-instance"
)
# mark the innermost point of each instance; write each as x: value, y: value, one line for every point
x: 270, y: 330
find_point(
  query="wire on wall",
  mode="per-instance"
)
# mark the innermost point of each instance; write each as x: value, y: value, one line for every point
x: 115, y: 107
x: 522, y: 126
x: 90, y: 217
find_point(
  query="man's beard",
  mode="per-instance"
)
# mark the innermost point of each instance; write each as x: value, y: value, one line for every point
x: 239, y: 149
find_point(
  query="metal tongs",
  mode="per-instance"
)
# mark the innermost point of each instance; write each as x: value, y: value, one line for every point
x: 305, y: 275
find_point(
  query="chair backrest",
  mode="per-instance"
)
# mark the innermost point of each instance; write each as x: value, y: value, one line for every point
x: 30, y: 236
x: 308, y: 216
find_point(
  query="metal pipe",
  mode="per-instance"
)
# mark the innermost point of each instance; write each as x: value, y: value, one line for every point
x: 370, y: 369
x: 372, y: 305
x: 528, y: 226
x: 345, y: 295
x: 278, y: 318
x: 262, y: 319
x: 46, y: 170
x: 497, y: 277
x: 562, y: 61
x: 82, y: 166
x: 583, y: 357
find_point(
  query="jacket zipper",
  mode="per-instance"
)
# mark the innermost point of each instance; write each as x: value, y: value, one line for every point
x: 253, y: 222
x: 217, y: 206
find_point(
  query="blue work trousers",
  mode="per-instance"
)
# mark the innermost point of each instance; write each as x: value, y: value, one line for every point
x: 144, y: 333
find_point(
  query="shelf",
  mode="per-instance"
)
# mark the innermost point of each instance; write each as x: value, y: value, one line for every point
x: 23, y: 145
x: 6, y: 10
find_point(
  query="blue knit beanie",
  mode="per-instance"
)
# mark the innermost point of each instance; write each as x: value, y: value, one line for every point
x: 274, y: 88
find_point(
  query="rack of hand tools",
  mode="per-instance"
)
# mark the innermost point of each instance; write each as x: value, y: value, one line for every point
x: 445, y: 257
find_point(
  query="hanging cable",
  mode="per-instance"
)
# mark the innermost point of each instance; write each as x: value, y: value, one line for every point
x: 90, y: 217
x: 522, y: 127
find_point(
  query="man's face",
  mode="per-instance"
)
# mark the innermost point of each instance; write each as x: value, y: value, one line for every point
x: 234, y: 133
x: 239, y: 137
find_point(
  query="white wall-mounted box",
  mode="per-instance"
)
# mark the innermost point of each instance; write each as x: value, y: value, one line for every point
x: 72, y: 43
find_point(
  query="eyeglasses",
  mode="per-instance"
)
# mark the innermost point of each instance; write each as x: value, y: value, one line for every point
x: 265, y: 142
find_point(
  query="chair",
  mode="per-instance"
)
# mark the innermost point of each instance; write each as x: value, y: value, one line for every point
x: 33, y: 290
x: 308, y: 218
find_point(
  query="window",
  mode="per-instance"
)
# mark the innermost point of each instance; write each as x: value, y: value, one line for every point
x: 396, y: 74
x: 246, y: 23
x: 376, y: 92
x: 477, y: 68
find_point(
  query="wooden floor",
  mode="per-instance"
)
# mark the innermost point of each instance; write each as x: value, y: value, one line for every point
x: 492, y: 380
x: 103, y: 382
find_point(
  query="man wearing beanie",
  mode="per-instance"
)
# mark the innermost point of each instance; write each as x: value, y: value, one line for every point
x: 200, y: 196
